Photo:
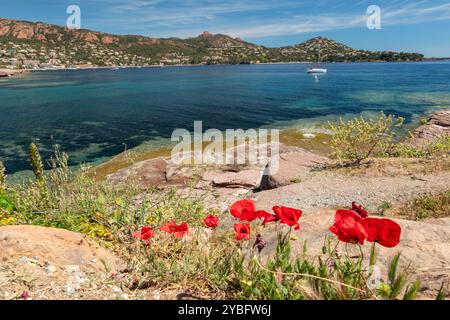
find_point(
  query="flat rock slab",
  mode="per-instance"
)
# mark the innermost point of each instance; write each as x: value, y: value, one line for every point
x: 146, y: 173
x: 57, y: 246
x: 49, y: 263
x: 242, y: 179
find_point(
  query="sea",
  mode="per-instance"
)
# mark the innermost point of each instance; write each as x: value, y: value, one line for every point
x: 95, y: 114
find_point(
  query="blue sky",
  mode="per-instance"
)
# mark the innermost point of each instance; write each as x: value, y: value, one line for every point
x: 408, y: 25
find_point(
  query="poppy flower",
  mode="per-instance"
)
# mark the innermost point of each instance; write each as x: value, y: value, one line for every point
x: 266, y: 217
x: 177, y: 230
x: 288, y: 216
x: 348, y: 226
x: 242, y: 231
x: 211, y: 221
x: 244, y: 210
x: 182, y: 230
x: 358, y: 208
x: 383, y: 231
x: 146, y: 233
x: 170, y: 227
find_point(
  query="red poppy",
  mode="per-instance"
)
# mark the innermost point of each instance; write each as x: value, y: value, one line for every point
x: 182, y: 230
x: 288, y: 216
x: 383, y: 231
x: 242, y: 231
x: 358, y: 208
x: 146, y: 233
x: 177, y: 230
x: 348, y: 226
x: 170, y: 227
x: 266, y: 217
x: 244, y: 210
x: 211, y: 221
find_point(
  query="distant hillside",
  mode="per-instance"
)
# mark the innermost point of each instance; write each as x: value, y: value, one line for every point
x: 36, y: 45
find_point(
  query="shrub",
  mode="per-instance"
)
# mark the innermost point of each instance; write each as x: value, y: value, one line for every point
x: 440, y: 147
x: 358, y: 139
x: 429, y: 206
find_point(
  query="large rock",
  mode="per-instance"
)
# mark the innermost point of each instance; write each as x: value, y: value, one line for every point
x: 440, y: 118
x: 291, y: 168
x: 59, y: 247
x: 49, y: 263
x: 146, y: 173
x: 243, y: 179
x: 438, y: 125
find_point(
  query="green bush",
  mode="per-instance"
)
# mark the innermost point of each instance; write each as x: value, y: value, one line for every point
x: 440, y: 147
x: 360, y: 138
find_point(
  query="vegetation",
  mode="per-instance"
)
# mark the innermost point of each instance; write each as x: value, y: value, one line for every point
x: 440, y: 147
x: 429, y: 206
x: 358, y: 139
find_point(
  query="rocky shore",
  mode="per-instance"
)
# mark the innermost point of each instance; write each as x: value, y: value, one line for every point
x: 10, y: 72
x: 436, y: 125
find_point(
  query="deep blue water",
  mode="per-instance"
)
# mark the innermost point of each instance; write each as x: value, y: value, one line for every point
x: 93, y: 114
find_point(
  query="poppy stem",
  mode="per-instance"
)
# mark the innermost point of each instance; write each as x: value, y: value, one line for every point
x: 309, y: 276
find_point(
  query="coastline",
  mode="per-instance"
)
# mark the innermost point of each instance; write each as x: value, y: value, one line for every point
x: 12, y: 72
x: 5, y: 73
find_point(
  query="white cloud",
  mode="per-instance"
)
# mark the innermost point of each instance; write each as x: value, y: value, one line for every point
x: 260, y: 19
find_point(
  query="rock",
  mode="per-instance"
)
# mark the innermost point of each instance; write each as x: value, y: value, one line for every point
x: 441, y: 118
x: 55, y: 249
x: 292, y: 166
x: 9, y: 72
x: 146, y: 173
x: 426, y: 245
x: 243, y: 179
x: 54, y: 263
x: 438, y: 125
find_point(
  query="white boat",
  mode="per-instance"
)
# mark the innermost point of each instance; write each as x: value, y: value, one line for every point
x: 317, y: 68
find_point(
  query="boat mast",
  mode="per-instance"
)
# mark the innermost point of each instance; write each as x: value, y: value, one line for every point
x: 318, y: 62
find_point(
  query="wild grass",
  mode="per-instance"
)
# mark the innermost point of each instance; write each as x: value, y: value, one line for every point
x: 428, y: 207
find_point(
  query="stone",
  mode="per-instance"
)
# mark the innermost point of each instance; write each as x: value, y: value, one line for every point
x: 146, y: 173
x: 243, y: 179
x: 56, y: 248
x: 292, y: 166
x: 438, y: 125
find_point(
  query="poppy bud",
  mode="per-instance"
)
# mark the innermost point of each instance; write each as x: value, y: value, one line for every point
x: 259, y: 243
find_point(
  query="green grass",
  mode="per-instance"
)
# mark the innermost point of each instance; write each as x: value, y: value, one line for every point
x: 430, y: 206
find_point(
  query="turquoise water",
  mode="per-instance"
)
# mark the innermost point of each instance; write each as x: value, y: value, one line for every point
x: 94, y: 114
